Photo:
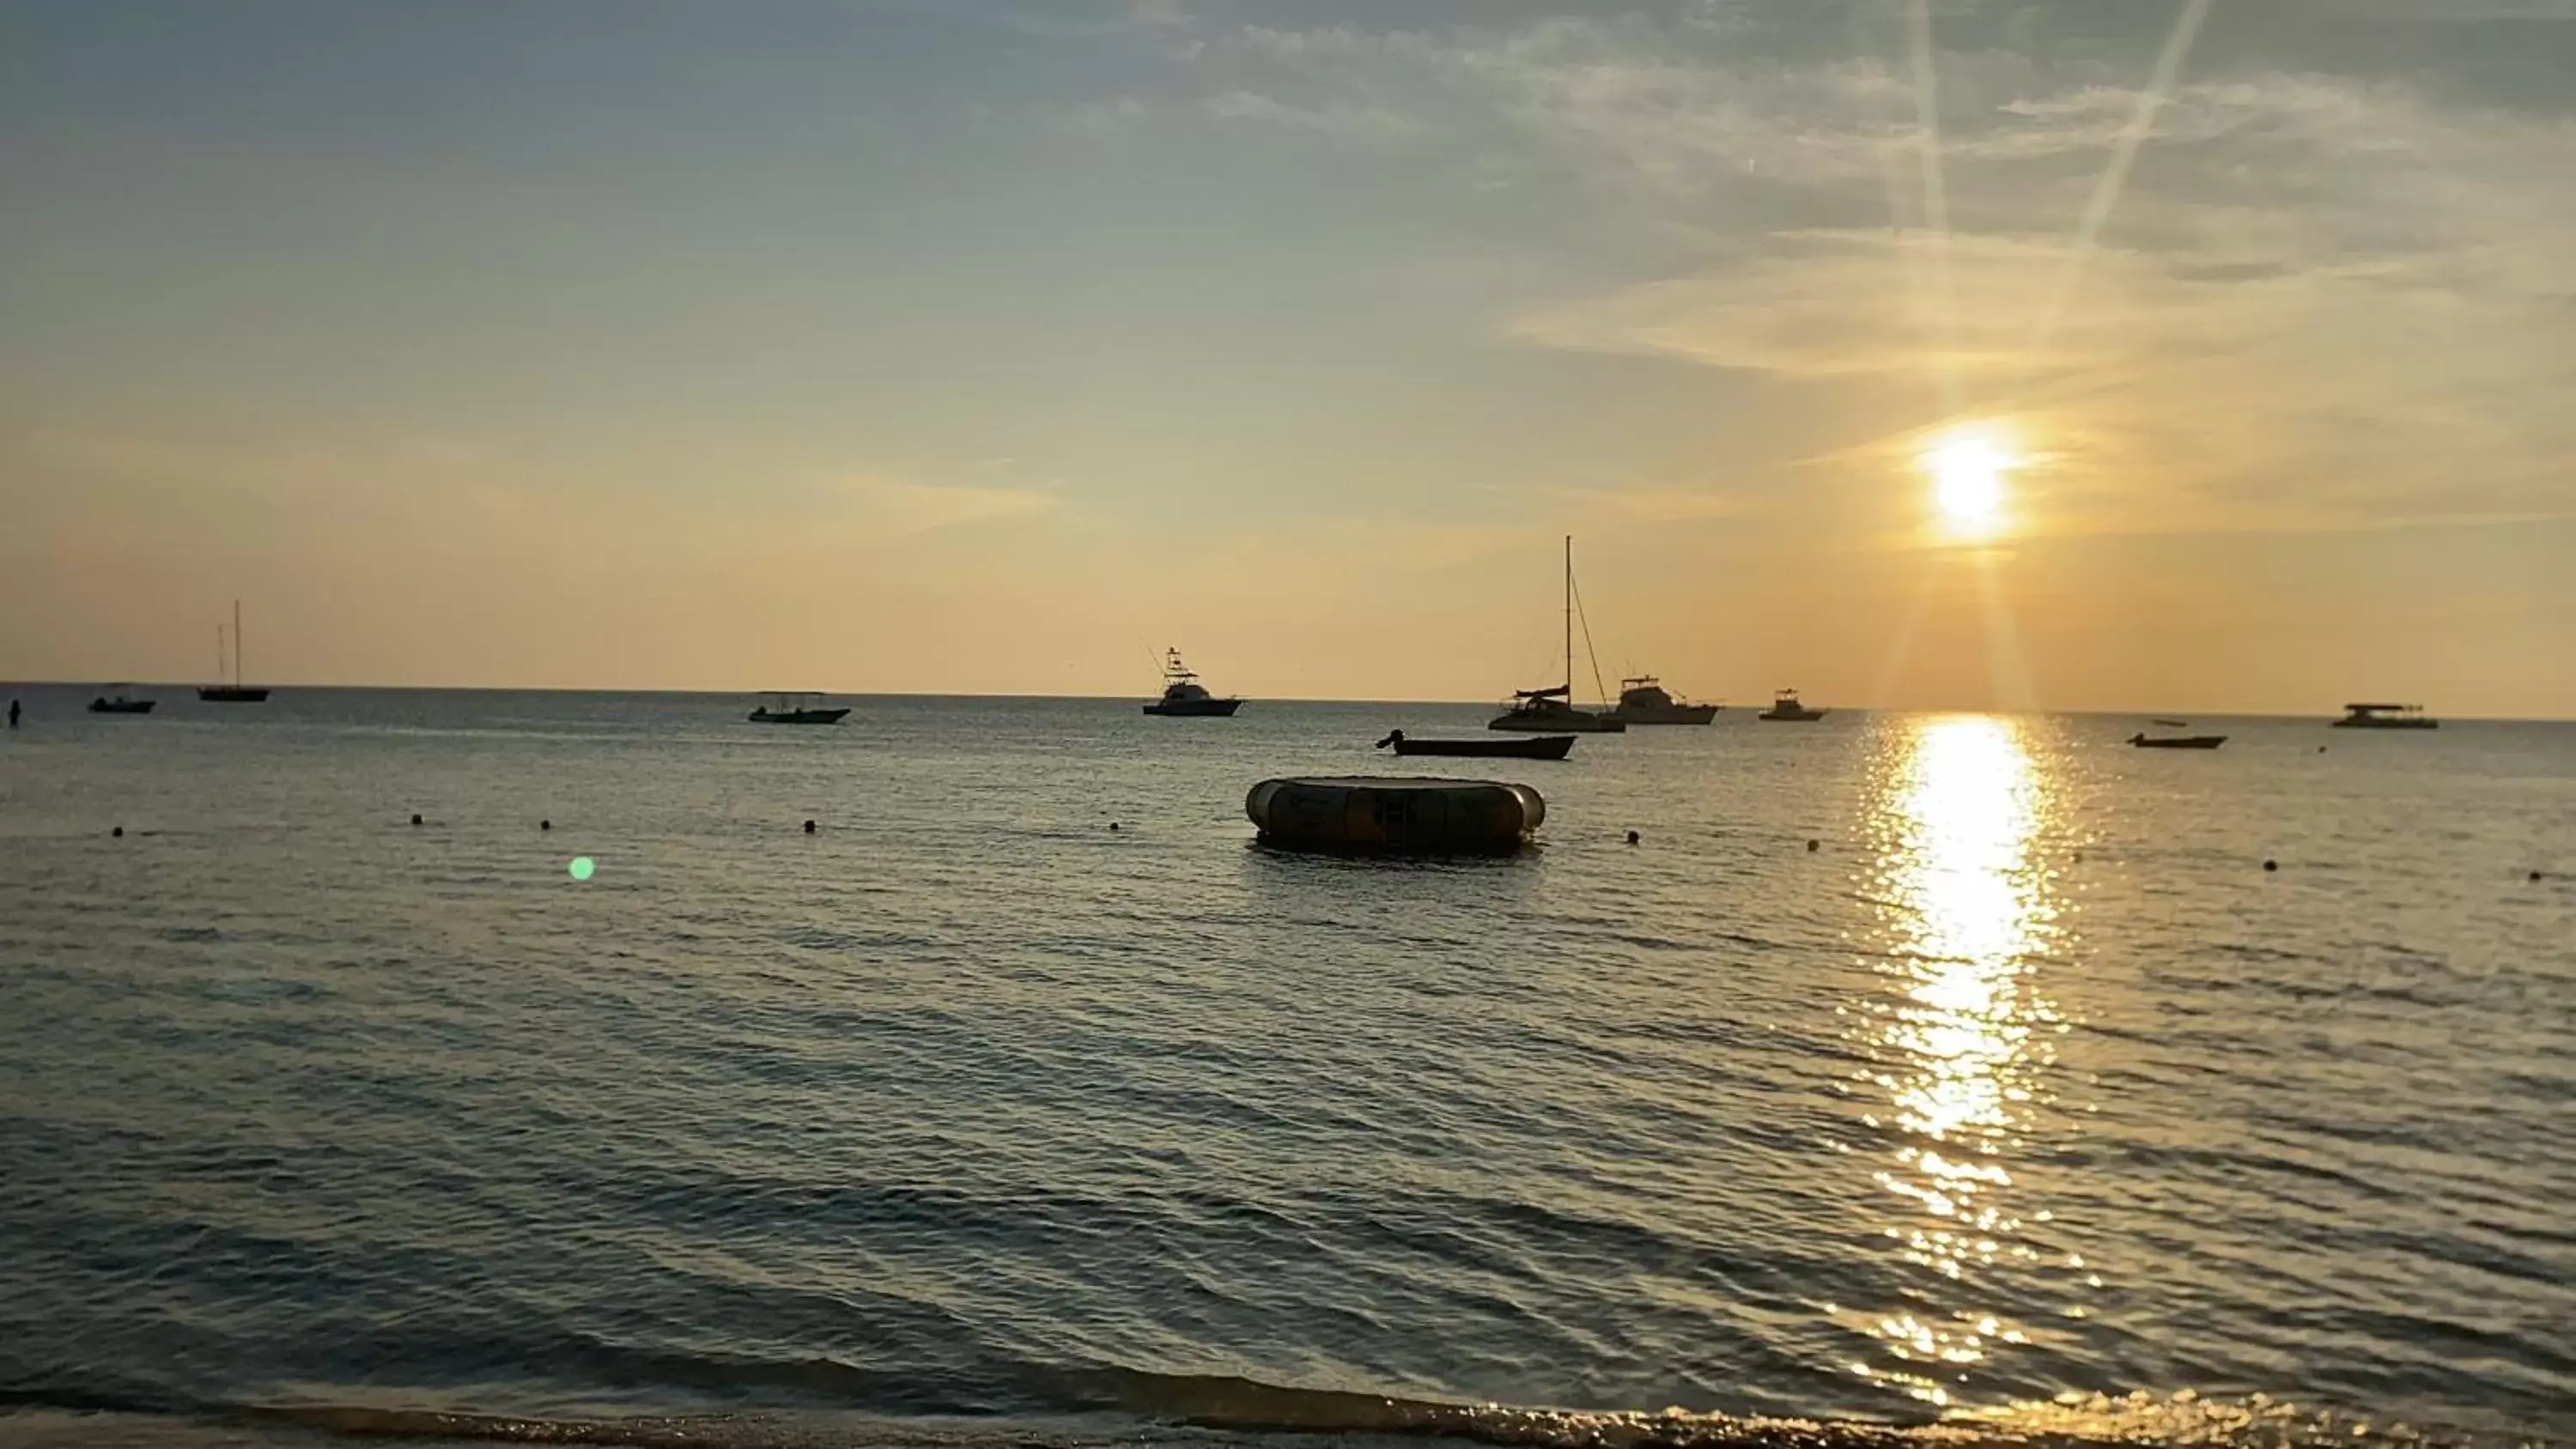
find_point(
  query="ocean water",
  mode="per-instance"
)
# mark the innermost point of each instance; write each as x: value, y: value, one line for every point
x: 2025, y: 1102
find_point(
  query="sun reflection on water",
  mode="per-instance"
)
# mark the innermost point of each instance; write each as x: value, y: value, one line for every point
x: 1961, y: 1039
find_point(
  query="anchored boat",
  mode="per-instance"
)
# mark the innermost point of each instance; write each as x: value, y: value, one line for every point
x: 120, y: 703
x: 795, y: 707
x: 1785, y: 706
x: 228, y: 688
x: 1185, y: 697
x: 1536, y: 747
x: 1551, y: 710
x: 2146, y: 741
x: 2386, y: 717
x: 1643, y: 700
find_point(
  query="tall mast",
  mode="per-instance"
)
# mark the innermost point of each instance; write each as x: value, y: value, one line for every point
x: 1569, y: 621
x: 219, y: 654
x: 237, y: 662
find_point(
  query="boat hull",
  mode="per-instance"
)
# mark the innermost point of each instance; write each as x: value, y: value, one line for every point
x: 797, y: 716
x: 1664, y: 714
x: 1556, y: 722
x: 2387, y: 724
x: 233, y: 694
x: 1194, y: 708
x: 1537, y: 747
x: 121, y: 706
x: 1791, y: 716
x: 1371, y: 815
x: 2178, y: 742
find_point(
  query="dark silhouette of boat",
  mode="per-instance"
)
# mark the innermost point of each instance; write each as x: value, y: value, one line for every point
x: 120, y: 703
x: 1551, y: 710
x: 794, y: 707
x: 2386, y: 717
x: 1184, y: 697
x: 1643, y: 700
x: 1536, y: 747
x: 234, y: 692
x: 1785, y: 706
x: 2177, y: 742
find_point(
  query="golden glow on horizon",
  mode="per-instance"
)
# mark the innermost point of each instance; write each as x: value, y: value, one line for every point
x: 1960, y: 1046
x: 1967, y: 465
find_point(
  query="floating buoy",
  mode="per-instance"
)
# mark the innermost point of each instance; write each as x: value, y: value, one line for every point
x: 2271, y: 865
x: 1376, y: 815
x: 1632, y: 837
x: 2079, y: 857
x: 2535, y: 875
x: 118, y: 832
x: 1811, y: 847
x: 415, y: 820
x: 545, y: 825
x: 1113, y: 827
x: 809, y: 827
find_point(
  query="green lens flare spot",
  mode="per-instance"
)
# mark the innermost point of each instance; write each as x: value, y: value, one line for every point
x: 581, y: 867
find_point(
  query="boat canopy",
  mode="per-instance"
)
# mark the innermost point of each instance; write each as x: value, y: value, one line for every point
x: 1562, y: 691
x: 2393, y: 708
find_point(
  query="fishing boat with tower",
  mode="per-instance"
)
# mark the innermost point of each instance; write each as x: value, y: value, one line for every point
x: 1185, y: 697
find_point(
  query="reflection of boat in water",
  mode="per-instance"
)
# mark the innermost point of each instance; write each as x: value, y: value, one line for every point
x: 228, y: 688
x: 1644, y: 701
x: 1551, y: 710
x: 2177, y: 742
x: 120, y: 703
x: 1184, y: 696
x: 2386, y: 717
x: 795, y: 707
x: 1785, y: 706
x: 1536, y: 747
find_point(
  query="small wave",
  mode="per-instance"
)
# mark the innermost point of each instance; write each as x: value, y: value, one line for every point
x: 1140, y: 1407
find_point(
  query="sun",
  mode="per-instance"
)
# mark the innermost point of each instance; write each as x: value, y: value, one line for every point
x: 1968, y: 466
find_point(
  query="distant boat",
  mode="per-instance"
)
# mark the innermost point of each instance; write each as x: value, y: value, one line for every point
x: 795, y: 707
x: 1551, y: 710
x: 1643, y: 700
x: 234, y: 692
x: 1184, y: 697
x: 120, y: 703
x: 2386, y: 717
x: 1785, y: 706
x: 2177, y: 742
x: 2171, y: 724
x: 1536, y: 747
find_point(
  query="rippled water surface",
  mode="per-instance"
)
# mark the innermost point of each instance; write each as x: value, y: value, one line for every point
x: 2025, y: 1083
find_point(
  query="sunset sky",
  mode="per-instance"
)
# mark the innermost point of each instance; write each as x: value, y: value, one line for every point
x: 988, y: 345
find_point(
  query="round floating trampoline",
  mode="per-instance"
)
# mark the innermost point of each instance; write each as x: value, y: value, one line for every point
x: 1373, y: 815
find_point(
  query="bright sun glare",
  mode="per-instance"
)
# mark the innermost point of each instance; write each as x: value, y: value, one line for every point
x: 1968, y: 467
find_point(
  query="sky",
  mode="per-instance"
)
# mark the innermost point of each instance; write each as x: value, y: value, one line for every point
x: 980, y: 346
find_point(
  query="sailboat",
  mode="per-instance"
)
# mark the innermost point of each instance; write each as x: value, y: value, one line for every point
x: 236, y: 692
x: 1551, y: 711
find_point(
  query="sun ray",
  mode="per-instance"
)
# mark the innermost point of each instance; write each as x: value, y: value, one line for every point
x: 2114, y: 180
x: 1936, y: 200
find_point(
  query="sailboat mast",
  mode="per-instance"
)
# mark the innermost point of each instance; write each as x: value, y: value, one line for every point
x: 237, y: 660
x: 1569, y: 621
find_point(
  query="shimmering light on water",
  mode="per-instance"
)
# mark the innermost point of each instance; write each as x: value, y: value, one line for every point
x: 1960, y: 1040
